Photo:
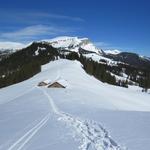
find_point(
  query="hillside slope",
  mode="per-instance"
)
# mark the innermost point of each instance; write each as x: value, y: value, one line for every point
x: 81, y: 116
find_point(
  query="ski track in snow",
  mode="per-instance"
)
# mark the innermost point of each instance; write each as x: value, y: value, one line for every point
x: 91, y: 133
x: 20, y: 95
x: 22, y: 141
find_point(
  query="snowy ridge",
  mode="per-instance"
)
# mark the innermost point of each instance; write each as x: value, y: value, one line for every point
x: 113, y: 52
x: 97, y: 58
x: 76, y: 44
x: 90, y: 47
x: 73, y: 44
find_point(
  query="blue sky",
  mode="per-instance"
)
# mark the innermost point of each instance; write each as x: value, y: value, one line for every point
x: 110, y: 24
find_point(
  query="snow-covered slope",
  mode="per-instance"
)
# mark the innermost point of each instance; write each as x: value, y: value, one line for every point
x: 73, y: 44
x: 81, y: 116
x: 100, y: 59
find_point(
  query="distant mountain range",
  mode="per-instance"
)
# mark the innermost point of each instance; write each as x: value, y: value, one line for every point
x: 85, y: 46
x: 123, y: 66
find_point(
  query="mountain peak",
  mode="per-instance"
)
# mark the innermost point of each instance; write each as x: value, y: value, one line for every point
x: 73, y: 44
x: 113, y: 52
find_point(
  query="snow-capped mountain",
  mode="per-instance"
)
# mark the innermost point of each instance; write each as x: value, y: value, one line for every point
x: 73, y: 44
x: 130, y: 59
x: 85, y: 46
x: 113, y: 52
x: 89, y: 50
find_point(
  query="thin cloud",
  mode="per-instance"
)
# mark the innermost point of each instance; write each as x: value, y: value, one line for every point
x: 56, y: 16
x: 106, y: 46
x: 35, y: 32
x: 101, y: 44
x: 36, y: 17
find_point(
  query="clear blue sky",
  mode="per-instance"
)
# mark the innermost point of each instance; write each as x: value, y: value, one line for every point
x: 111, y: 24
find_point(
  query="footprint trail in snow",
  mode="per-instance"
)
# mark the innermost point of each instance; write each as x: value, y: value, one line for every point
x: 91, y: 134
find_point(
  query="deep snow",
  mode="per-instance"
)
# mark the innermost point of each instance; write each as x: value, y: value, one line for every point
x: 82, y: 116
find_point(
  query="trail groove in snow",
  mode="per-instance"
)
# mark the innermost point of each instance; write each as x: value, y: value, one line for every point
x: 91, y: 134
x: 20, y: 95
x: 22, y: 141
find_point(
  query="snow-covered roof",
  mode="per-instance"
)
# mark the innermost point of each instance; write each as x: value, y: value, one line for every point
x: 62, y: 82
x: 47, y: 81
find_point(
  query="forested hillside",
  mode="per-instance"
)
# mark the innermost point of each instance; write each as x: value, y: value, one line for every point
x: 27, y: 62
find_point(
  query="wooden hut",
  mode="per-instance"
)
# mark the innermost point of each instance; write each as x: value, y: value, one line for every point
x: 44, y: 83
x: 58, y: 84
